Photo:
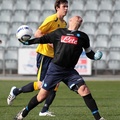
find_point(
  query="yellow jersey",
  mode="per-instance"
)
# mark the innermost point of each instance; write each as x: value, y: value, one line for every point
x: 50, y: 24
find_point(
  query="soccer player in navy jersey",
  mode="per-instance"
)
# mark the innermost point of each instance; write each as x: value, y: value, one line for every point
x: 68, y: 45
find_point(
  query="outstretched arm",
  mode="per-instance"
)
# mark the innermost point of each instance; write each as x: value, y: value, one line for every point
x: 93, y: 55
x: 43, y: 40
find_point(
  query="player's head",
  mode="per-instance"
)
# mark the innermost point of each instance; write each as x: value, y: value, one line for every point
x: 75, y: 22
x: 61, y: 7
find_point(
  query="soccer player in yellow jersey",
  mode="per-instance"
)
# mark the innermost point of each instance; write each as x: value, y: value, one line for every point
x: 44, y: 56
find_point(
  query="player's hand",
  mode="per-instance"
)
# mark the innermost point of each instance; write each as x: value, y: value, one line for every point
x: 24, y: 42
x: 98, y: 55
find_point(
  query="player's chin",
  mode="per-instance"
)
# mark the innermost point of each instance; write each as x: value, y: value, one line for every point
x: 65, y: 13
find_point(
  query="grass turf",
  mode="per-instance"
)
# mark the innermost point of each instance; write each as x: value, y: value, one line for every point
x: 67, y: 105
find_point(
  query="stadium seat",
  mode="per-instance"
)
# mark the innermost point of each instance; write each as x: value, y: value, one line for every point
x: 45, y: 15
x: 116, y: 6
x: 35, y: 5
x: 90, y: 16
x: 5, y: 16
x: 91, y: 5
x: 114, y: 61
x: 4, y: 28
x: 116, y: 17
x: 14, y: 28
x: 89, y: 28
x: 114, y: 43
x: 101, y: 42
x: 33, y: 16
x: 4, y: 39
x: 11, y: 60
x: 104, y: 16
x: 77, y: 5
x: 101, y: 65
x: 33, y: 25
x: 21, y: 5
x: 103, y: 3
x: 92, y: 40
x: 18, y: 16
x: 48, y: 5
x: 7, y: 5
x: 13, y: 42
x: 75, y: 12
x: 115, y: 30
x: 103, y: 29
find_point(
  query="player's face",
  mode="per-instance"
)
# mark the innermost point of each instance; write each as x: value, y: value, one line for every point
x: 63, y: 9
x: 76, y: 21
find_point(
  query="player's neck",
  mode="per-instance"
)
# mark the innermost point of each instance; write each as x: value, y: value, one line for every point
x: 60, y: 17
x: 72, y: 28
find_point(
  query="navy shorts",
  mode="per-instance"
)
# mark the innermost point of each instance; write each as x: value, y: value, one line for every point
x: 42, y: 65
x: 56, y: 74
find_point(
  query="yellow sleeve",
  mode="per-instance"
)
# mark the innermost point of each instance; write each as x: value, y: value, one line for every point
x: 46, y: 26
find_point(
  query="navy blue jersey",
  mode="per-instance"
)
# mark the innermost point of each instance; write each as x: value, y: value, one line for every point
x: 68, y: 45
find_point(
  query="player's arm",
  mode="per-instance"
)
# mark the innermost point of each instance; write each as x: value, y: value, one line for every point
x: 48, y: 38
x: 38, y: 33
x: 93, y: 55
x: 89, y: 52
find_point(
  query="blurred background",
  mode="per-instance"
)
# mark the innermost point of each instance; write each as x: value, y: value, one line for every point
x: 101, y: 21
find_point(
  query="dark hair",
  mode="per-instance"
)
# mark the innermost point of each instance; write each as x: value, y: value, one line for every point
x: 58, y: 2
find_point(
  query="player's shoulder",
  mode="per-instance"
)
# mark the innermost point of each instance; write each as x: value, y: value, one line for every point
x: 83, y: 33
x: 61, y: 29
x: 52, y: 17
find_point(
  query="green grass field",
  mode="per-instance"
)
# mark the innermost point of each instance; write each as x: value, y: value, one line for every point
x: 67, y: 105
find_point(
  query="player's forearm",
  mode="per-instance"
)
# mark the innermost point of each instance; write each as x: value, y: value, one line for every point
x: 94, y: 55
x: 34, y: 41
x: 38, y: 33
x: 90, y: 54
